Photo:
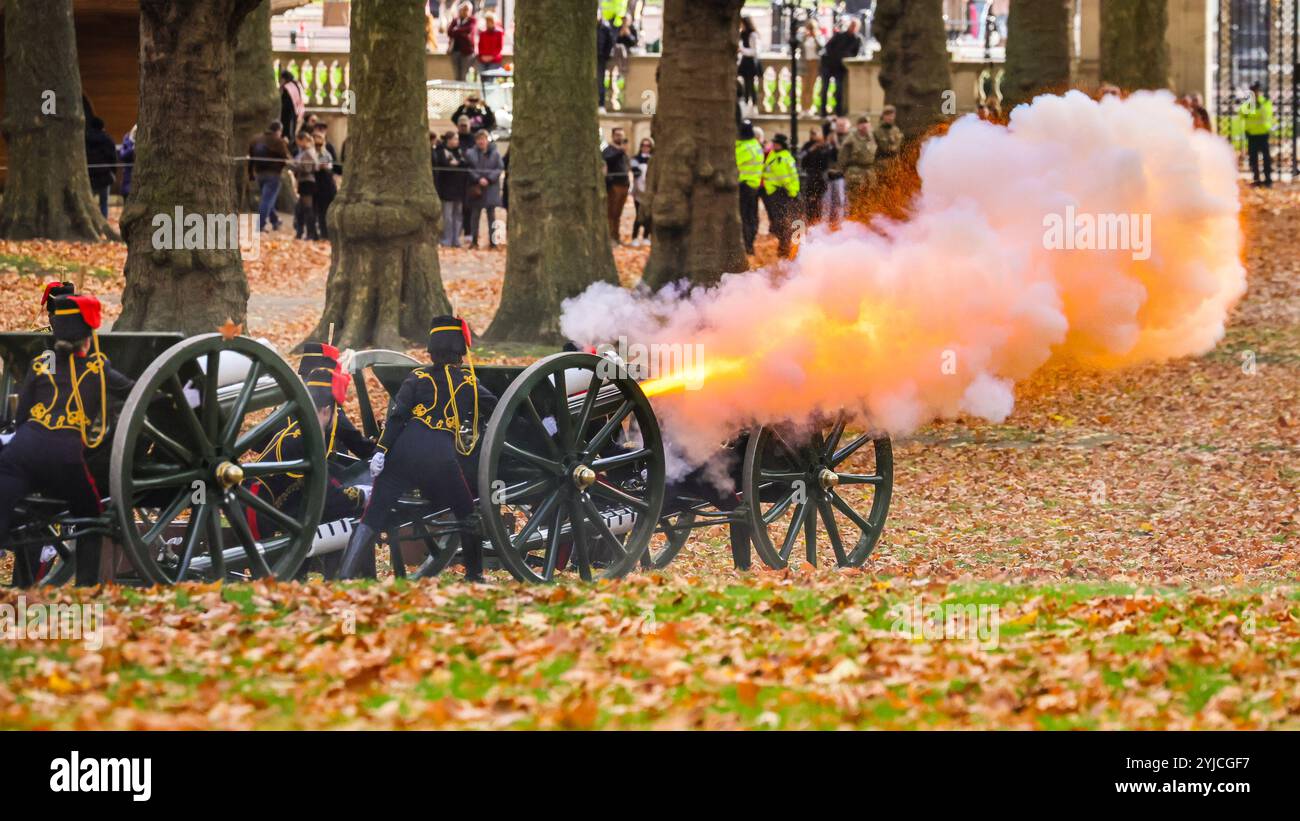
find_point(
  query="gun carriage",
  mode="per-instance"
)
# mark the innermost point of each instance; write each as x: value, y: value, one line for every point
x: 570, y: 473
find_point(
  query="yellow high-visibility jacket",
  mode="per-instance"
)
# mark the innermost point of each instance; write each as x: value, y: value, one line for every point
x: 749, y: 162
x: 1257, y: 115
x: 779, y: 172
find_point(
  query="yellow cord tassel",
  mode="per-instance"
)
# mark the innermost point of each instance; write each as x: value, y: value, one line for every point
x: 82, y: 421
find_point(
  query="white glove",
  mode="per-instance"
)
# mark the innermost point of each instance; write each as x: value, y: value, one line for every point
x: 551, y: 425
x: 48, y: 553
x: 191, y: 393
x: 6, y: 438
x: 377, y: 463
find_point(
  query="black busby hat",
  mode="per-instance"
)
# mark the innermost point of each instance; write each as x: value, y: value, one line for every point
x: 53, y: 289
x: 327, y: 387
x: 318, y: 355
x: 74, y: 317
x: 746, y: 130
x: 449, y: 337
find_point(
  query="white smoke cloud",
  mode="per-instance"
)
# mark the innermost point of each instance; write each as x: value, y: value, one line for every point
x: 906, y: 322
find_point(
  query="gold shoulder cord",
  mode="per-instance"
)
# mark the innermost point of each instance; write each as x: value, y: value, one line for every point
x: 461, y: 447
x: 40, y: 411
x: 82, y: 421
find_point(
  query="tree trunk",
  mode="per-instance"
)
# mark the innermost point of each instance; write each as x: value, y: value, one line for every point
x: 1038, y: 49
x: 47, y: 194
x: 1134, y: 53
x: 692, y: 189
x: 182, y: 166
x: 256, y: 95
x: 384, y: 282
x: 558, y: 233
x: 914, y: 62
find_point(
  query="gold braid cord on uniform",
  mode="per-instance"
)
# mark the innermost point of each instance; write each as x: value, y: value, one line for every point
x: 291, y: 430
x: 450, y: 421
x: 74, y: 417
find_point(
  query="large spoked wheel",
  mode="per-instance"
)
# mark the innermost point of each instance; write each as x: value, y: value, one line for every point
x: 794, y: 478
x: 183, y: 467
x: 571, y: 481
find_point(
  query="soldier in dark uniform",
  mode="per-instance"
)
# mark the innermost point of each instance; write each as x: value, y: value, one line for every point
x: 320, y: 355
x: 62, y: 412
x: 432, y: 428
x: 328, y: 389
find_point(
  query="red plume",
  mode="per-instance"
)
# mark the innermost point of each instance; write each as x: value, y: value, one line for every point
x: 91, y: 311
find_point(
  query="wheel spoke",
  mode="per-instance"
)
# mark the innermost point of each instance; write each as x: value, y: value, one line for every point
x: 631, y: 457
x: 563, y: 422
x: 607, y: 430
x: 588, y: 402
x: 235, y: 515
x: 184, y: 477
x: 193, y: 531
x: 216, y: 547
x: 192, y: 424
x: 525, y: 489
x: 553, y: 544
x: 176, y: 448
x: 581, y: 551
x: 792, y: 535
x: 833, y: 438
x: 778, y: 510
x: 783, y: 476
x: 617, y: 494
x: 253, y: 470
x: 861, y: 479
x: 550, y: 466
x: 166, y: 516
x: 536, y: 419
x: 832, y: 531
x: 265, y: 508
x: 852, y: 514
x: 210, y: 408
x: 598, y: 522
x: 539, y: 514
x: 849, y: 449
x: 240, y: 409
x: 810, y: 537
x: 264, y: 428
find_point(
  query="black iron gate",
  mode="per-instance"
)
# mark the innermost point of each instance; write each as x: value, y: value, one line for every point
x: 1257, y: 42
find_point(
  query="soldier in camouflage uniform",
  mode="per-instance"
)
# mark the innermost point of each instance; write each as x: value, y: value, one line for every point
x: 857, y: 153
x: 889, y: 137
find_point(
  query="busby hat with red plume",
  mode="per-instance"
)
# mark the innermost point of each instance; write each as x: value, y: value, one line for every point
x: 74, y: 317
x: 449, y: 337
x: 327, y: 387
x: 53, y: 289
x: 318, y: 355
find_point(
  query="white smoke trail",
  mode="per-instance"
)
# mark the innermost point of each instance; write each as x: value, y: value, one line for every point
x: 941, y: 315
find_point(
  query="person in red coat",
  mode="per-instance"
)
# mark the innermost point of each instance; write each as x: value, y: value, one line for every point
x: 491, y: 39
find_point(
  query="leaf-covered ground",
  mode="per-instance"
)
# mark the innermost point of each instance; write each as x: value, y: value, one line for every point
x: 1134, y: 534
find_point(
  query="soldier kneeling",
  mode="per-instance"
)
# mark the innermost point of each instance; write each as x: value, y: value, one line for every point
x: 432, y: 428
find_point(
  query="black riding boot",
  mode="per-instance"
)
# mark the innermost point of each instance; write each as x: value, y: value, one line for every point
x: 471, y: 548
x: 26, y: 563
x: 88, y: 551
x: 359, y: 557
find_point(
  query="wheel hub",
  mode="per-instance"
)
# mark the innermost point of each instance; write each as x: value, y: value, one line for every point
x: 583, y: 477
x: 828, y: 478
x: 229, y: 474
